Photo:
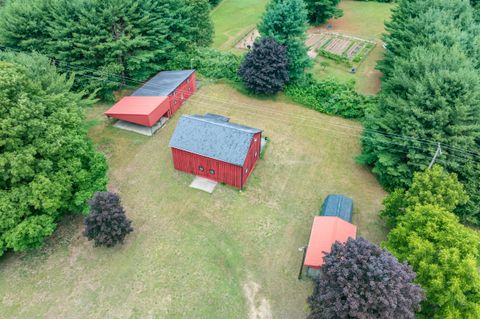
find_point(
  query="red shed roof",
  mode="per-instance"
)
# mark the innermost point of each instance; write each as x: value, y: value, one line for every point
x: 143, y: 110
x: 136, y: 105
x: 326, y: 230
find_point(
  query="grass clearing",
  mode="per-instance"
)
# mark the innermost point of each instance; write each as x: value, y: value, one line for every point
x: 365, y: 20
x: 195, y: 255
x: 233, y: 19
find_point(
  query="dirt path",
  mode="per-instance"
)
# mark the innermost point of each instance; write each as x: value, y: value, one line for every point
x: 259, y: 307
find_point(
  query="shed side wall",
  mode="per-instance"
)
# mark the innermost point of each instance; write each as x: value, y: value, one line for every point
x: 252, y: 157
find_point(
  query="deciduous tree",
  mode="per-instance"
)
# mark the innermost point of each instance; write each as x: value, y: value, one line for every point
x: 361, y: 280
x: 107, y: 224
x: 265, y: 68
x: 48, y: 165
x: 319, y: 11
x: 434, y: 186
x: 445, y: 255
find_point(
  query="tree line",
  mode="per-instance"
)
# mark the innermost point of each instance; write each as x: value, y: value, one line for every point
x: 105, y: 42
x: 430, y: 94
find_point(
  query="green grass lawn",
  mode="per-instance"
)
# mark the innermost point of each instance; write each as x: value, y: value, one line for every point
x: 233, y: 19
x: 366, y: 20
x: 192, y: 254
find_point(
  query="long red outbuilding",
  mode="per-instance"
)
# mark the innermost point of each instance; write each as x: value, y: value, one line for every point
x: 212, y: 147
x: 159, y: 97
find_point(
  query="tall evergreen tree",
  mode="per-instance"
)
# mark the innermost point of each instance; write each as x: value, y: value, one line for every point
x: 105, y: 42
x: 319, y: 11
x: 433, y: 94
x: 47, y: 164
x: 286, y: 22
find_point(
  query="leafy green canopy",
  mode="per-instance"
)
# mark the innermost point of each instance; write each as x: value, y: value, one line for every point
x: 105, y: 42
x: 265, y: 68
x: 434, y: 186
x: 361, y: 280
x: 286, y: 22
x: 445, y: 256
x: 319, y: 11
x: 47, y: 164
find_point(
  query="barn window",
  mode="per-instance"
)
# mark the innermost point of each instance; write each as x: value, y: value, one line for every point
x: 189, y: 88
x: 255, y: 139
x: 256, y: 153
x: 246, y: 170
x: 212, y: 171
x: 200, y: 168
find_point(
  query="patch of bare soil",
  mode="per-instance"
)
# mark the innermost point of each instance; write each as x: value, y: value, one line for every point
x: 259, y: 307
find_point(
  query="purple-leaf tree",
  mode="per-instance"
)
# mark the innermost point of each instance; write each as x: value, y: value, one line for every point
x: 107, y: 224
x: 361, y: 280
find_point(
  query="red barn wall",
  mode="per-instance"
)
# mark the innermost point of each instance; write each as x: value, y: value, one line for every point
x: 252, y: 157
x: 182, y: 93
x: 224, y: 172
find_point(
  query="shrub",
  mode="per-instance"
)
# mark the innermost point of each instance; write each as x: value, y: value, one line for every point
x: 331, y: 97
x: 48, y: 165
x: 211, y: 63
x: 360, y: 280
x: 107, y: 224
x: 265, y: 68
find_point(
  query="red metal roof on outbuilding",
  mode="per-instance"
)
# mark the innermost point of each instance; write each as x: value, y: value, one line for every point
x: 143, y: 110
x: 326, y: 230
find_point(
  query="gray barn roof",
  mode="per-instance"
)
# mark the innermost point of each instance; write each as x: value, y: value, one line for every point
x: 163, y: 83
x: 213, y: 136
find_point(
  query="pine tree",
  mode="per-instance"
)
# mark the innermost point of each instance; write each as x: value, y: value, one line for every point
x: 265, y: 68
x: 286, y: 22
x: 433, y: 94
x: 319, y: 11
x: 106, y: 43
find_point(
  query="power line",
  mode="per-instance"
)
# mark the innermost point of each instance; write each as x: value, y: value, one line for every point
x: 274, y: 112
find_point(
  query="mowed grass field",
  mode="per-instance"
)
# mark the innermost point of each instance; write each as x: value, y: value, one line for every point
x: 229, y: 254
x: 365, y: 20
x: 233, y: 19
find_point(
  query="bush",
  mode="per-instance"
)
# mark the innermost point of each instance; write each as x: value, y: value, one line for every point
x: 445, y: 255
x: 48, y: 165
x: 319, y: 11
x: 265, y: 68
x: 360, y: 280
x: 331, y: 97
x: 211, y: 63
x: 107, y: 224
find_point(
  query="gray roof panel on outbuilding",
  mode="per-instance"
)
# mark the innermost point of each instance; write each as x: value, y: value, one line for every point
x: 163, y: 83
x: 338, y: 206
x: 213, y: 136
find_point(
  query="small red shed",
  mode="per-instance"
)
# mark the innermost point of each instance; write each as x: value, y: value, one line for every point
x: 161, y: 96
x: 211, y: 146
x: 326, y: 230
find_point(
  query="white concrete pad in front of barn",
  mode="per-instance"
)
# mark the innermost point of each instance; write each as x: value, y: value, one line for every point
x: 203, y: 184
x: 140, y: 129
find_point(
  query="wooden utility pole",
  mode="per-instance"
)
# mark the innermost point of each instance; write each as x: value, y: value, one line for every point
x: 438, y: 152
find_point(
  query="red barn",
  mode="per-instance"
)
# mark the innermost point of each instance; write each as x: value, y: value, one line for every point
x: 211, y: 146
x: 159, y: 97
